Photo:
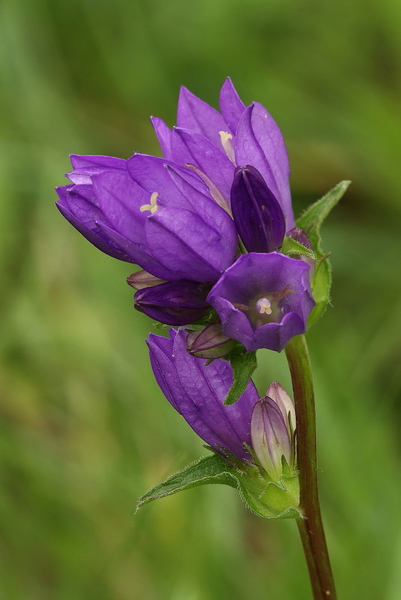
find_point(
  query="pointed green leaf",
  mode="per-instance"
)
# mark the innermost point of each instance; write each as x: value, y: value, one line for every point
x: 311, y: 221
x: 211, y: 469
x: 291, y: 246
x: 243, y: 364
x: 266, y: 499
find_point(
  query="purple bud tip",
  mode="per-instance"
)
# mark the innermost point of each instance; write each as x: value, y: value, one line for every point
x: 175, y: 302
x: 210, y: 342
x: 257, y: 213
x: 300, y: 236
x: 276, y: 392
x: 271, y: 440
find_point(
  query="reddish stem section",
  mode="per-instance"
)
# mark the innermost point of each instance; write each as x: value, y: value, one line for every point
x: 311, y: 526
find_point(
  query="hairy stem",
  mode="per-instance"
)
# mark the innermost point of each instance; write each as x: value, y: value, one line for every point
x: 311, y: 526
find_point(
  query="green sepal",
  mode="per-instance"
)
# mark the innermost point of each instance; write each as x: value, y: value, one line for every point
x: 243, y: 364
x: 310, y: 222
x: 291, y: 247
x: 255, y: 492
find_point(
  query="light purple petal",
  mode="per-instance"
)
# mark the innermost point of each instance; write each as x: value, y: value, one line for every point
x: 193, y: 113
x: 93, y: 235
x: 81, y: 161
x: 139, y: 254
x: 152, y: 174
x: 163, y: 133
x: 166, y: 364
x: 120, y: 199
x: 189, y: 147
x: 260, y: 143
x: 231, y: 105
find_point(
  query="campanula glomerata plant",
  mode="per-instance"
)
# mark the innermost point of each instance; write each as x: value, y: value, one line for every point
x: 224, y: 264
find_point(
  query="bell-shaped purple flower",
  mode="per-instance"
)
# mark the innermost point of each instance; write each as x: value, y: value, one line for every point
x: 150, y: 212
x: 257, y: 214
x: 214, y: 143
x: 198, y: 391
x: 263, y: 300
x: 174, y: 302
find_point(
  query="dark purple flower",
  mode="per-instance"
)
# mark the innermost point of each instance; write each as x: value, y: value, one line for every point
x: 257, y: 214
x: 174, y: 302
x: 150, y: 212
x: 263, y: 300
x: 214, y: 143
x: 198, y: 391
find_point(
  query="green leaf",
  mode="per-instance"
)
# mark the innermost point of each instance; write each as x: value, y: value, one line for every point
x: 291, y: 246
x: 243, y: 364
x: 211, y: 469
x: 311, y: 221
x: 255, y: 492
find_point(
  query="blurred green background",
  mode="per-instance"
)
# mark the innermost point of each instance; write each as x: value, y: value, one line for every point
x: 84, y: 429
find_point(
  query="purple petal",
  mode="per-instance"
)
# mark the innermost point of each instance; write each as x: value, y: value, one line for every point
x: 231, y: 105
x: 163, y: 133
x: 193, y: 113
x: 85, y: 224
x: 259, y: 142
x: 120, y: 199
x: 81, y: 161
x: 189, y: 147
x: 161, y: 360
x: 139, y: 254
x: 197, y: 392
x: 174, y: 302
x: 183, y: 242
x: 257, y: 214
x: 152, y: 174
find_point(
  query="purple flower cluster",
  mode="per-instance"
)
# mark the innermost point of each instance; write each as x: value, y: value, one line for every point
x: 222, y: 188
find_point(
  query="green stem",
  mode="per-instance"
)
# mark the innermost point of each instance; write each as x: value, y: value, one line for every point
x: 311, y: 526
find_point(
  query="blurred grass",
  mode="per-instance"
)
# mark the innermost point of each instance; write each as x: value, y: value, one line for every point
x: 84, y: 429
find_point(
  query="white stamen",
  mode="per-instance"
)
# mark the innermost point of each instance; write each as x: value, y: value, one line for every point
x: 225, y: 139
x: 264, y: 306
x: 153, y: 204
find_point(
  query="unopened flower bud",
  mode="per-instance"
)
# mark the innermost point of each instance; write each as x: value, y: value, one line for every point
x: 257, y: 213
x: 143, y: 279
x: 175, y: 302
x: 210, y: 342
x: 271, y: 440
x: 300, y: 236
